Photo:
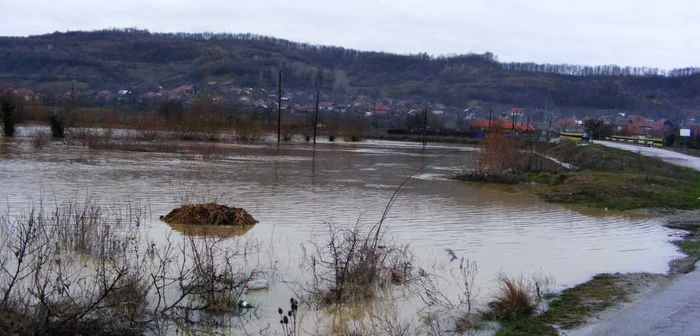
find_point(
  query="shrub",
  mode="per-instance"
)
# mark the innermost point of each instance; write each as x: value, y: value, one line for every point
x: 248, y: 130
x: 85, y: 269
x: 40, y: 138
x: 351, y: 265
x: 7, y: 107
x: 58, y: 127
x: 513, y: 300
x: 147, y: 128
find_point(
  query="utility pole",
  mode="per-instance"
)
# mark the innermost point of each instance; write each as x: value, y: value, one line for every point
x: 527, y: 125
x: 318, y: 93
x: 374, y: 114
x: 72, y: 97
x: 425, y: 126
x: 279, y: 107
x: 490, y: 110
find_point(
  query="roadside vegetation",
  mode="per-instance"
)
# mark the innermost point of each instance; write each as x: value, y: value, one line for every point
x: 598, y: 177
x: 575, y: 306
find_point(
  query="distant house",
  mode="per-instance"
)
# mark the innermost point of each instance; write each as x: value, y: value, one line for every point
x: 182, y: 91
x: 501, y: 125
x: 474, y: 112
x: 325, y: 106
x: 450, y: 121
x: 124, y: 94
x: 245, y: 100
x: 569, y: 125
x: 260, y: 103
x: 26, y: 94
x: 151, y: 95
x: 639, y: 126
x: 379, y: 109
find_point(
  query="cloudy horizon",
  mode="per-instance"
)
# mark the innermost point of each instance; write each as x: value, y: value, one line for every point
x: 623, y: 32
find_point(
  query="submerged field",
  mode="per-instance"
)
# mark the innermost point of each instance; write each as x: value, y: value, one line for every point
x: 296, y: 193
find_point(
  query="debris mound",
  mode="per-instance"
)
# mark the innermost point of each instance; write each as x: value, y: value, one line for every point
x: 209, y: 214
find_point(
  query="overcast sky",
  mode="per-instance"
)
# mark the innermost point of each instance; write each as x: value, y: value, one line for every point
x: 661, y: 33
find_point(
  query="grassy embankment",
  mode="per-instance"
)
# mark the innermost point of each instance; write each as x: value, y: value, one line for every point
x: 573, y: 307
x: 604, y: 178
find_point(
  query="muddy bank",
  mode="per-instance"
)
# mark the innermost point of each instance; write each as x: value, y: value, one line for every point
x: 575, y: 307
x: 688, y: 221
x: 210, y: 214
x: 667, y: 305
x: 578, y: 310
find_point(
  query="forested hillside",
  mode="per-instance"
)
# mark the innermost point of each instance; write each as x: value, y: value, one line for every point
x: 140, y: 61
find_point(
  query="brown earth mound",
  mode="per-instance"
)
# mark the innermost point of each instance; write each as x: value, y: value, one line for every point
x: 209, y: 214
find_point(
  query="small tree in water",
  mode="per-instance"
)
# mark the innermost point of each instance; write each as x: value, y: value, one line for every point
x: 7, y: 107
x: 58, y: 129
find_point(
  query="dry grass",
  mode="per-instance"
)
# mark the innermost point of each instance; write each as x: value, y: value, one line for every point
x: 148, y: 127
x: 40, y: 138
x: 118, y: 282
x: 207, y: 151
x: 513, y: 301
x: 498, y: 153
x: 248, y: 130
x: 352, y: 265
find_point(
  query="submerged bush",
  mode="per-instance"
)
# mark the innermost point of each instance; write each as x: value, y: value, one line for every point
x: 248, y: 130
x: 7, y: 108
x: 58, y: 128
x: 40, y: 138
x: 86, y: 269
x: 352, y: 265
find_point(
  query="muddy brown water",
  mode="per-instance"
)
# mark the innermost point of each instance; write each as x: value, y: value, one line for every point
x: 295, y: 192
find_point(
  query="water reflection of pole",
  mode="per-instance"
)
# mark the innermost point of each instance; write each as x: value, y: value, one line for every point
x: 313, y: 166
x: 425, y: 126
x: 279, y: 107
x: 318, y: 93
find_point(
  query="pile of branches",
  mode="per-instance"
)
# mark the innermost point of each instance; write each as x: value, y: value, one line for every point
x: 209, y: 214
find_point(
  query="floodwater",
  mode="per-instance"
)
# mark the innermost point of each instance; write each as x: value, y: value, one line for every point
x: 295, y: 192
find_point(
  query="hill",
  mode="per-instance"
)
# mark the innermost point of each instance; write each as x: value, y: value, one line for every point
x: 140, y: 60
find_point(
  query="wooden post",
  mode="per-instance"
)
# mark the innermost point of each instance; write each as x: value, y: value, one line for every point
x: 279, y: 107
x: 318, y: 93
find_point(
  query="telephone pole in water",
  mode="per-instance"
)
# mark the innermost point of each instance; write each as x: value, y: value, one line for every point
x: 318, y: 94
x: 425, y: 126
x: 279, y: 107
